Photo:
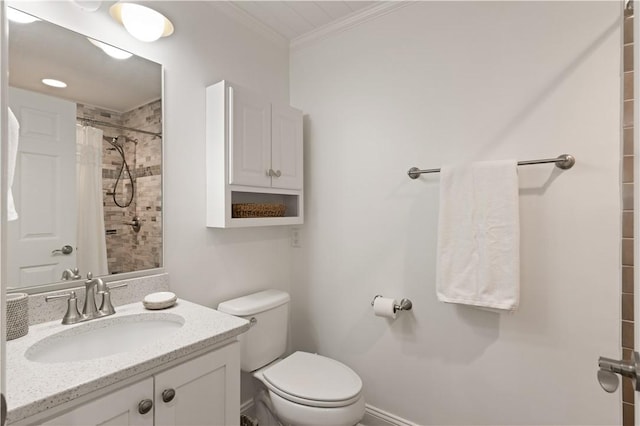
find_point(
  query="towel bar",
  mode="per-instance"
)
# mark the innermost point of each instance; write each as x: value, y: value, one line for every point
x: 564, y: 162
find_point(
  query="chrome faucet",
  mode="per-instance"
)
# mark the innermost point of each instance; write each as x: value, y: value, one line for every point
x: 71, y: 274
x: 89, y: 310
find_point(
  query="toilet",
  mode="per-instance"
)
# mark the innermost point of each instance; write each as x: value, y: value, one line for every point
x: 301, y: 389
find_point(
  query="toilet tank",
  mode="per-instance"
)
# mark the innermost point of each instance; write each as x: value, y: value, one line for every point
x: 266, y: 340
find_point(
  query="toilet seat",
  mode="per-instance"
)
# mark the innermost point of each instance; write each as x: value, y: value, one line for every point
x: 313, y: 380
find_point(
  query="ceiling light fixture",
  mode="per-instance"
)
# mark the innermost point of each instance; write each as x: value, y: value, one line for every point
x: 141, y: 22
x: 114, y: 52
x: 19, y: 17
x: 54, y: 83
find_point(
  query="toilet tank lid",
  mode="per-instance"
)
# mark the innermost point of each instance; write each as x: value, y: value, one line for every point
x: 254, y: 303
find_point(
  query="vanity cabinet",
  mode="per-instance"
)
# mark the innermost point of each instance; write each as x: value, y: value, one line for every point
x: 202, y: 391
x: 254, y: 155
x: 117, y: 408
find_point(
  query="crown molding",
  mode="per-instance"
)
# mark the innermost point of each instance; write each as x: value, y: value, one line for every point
x: 239, y: 15
x: 346, y: 23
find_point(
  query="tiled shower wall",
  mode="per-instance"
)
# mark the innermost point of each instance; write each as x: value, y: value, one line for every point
x: 627, y: 222
x: 126, y: 249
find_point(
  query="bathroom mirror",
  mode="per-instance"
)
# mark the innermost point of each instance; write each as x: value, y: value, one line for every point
x: 87, y: 184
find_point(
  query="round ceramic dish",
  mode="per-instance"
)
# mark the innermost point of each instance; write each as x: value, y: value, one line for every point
x: 159, y: 300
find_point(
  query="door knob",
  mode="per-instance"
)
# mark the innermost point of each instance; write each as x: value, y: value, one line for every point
x: 610, y: 367
x: 64, y: 250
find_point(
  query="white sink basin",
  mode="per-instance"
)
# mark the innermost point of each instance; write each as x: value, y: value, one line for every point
x: 104, y: 337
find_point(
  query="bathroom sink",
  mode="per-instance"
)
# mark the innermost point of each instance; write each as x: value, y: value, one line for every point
x: 104, y: 337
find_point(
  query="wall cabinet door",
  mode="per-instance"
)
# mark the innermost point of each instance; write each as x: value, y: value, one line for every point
x: 206, y: 391
x: 250, y: 139
x: 117, y: 408
x: 286, y: 147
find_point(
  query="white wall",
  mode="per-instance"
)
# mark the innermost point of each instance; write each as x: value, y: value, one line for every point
x: 206, y: 265
x: 429, y: 84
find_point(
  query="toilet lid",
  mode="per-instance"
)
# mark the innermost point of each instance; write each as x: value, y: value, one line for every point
x: 314, y: 380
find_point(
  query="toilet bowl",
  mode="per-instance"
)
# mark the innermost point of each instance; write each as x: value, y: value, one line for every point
x: 301, y: 389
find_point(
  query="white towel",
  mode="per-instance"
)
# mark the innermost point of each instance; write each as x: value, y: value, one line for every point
x: 14, y: 137
x: 478, y: 259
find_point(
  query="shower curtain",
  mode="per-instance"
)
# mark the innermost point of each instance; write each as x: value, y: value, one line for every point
x: 91, y: 244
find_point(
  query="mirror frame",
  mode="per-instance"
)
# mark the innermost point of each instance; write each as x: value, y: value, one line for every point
x: 4, y: 85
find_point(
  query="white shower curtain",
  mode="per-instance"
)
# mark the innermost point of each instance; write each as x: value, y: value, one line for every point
x: 91, y: 246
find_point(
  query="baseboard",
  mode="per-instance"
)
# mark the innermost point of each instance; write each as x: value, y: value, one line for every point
x: 247, y: 408
x: 372, y: 416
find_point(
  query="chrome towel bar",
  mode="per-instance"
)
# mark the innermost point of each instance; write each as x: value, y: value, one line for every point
x: 564, y: 161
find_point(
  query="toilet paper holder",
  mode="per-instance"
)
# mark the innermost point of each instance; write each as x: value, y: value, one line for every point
x: 405, y: 304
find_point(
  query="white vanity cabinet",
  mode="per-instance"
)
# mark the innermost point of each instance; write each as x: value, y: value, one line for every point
x: 254, y: 155
x: 117, y: 408
x: 202, y: 391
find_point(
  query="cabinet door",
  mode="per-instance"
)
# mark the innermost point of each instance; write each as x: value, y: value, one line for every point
x: 286, y: 147
x: 249, y: 139
x: 117, y: 408
x: 206, y: 390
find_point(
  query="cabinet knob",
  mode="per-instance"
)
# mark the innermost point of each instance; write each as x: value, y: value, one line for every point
x: 145, y: 406
x: 168, y: 395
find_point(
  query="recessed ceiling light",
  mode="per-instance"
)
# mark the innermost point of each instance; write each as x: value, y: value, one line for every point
x: 54, y: 83
x: 141, y: 22
x: 19, y: 17
x: 114, y: 52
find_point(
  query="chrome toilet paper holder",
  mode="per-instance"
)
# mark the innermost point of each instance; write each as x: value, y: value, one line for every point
x: 405, y: 304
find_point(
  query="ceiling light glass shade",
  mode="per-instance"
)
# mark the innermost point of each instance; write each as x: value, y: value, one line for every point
x: 20, y: 17
x: 54, y: 83
x: 141, y: 22
x: 114, y: 52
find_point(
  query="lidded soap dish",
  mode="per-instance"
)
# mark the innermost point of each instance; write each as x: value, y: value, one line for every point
x: 159, y: 300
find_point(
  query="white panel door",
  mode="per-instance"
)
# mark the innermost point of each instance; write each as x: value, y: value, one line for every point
x: 44, y: 189
x: 118, y: 408
x: 206, y: 390
x: 249, y: 139
x: 286, y: 147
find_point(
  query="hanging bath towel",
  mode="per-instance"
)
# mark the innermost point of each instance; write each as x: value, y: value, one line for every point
x: 478, y: 260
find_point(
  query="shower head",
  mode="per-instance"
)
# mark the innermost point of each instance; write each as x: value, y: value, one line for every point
x: 121, y: 140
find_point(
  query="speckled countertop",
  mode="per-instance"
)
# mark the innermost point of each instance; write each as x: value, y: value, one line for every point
x: 32, y: 387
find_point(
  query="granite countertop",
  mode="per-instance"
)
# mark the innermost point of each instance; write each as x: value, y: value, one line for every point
x: 33, y: 387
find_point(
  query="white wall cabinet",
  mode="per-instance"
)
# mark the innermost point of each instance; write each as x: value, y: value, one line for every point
x: 254, y: 155
x: 202, y: 391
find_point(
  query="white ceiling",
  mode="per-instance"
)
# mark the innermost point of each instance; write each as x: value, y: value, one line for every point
x: 41, y: 50
x: 292, y: 19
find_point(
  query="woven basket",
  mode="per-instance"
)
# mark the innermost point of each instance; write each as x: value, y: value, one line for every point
x: 244, y: 210
x: 17, y: 315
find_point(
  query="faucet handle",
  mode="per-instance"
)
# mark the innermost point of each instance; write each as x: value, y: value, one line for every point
x: 72, y: 315
x: 89, y: 275
x: 106, y: 308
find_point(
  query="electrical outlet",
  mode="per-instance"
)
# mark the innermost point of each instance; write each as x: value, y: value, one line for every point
x: 295, y: 237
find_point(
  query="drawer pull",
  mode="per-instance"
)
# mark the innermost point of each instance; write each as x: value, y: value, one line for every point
x: 145, y: 406
x: 168, y: 395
